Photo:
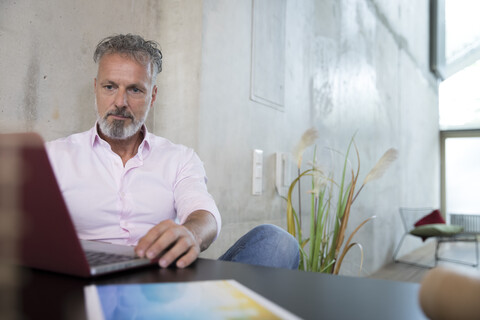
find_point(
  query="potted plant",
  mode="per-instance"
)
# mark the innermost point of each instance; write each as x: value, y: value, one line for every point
x: 323, y: 247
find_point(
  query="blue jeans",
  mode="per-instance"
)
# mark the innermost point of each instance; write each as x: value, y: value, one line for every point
x: 265, y: 245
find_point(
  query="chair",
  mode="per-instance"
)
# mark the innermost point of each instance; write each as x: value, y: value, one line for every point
x: 441, y: 232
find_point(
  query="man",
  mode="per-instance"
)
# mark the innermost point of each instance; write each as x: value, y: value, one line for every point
x: 125, y: 185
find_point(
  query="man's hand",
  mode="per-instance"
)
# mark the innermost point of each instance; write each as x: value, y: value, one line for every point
x: 170, y: 241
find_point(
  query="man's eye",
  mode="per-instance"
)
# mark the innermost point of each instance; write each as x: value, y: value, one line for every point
x: 136, y: 90
x: 108, y: 87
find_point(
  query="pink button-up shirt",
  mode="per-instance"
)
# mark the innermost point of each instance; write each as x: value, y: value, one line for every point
x: 117, y: 204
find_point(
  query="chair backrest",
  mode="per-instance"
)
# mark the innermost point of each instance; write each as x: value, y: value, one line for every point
x: 411, y: 215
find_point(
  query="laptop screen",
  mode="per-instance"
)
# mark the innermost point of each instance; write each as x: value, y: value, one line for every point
x: 47, y: 236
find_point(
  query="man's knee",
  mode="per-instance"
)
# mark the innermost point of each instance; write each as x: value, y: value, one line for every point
x: 276, y: 235
x: 266, y: 245
x: 283, y: 246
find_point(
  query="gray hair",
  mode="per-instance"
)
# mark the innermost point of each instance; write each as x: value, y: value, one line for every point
x: 143, y: 51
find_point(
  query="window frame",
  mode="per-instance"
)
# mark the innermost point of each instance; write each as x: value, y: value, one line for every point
x: 444, y: 135
x: 438, y: 62
x: 437, y: 39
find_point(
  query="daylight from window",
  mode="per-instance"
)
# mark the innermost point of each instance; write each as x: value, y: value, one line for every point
x: 462, y: 174
x: 459, y: 107
x: 459, y: 99
x: 462, y: 27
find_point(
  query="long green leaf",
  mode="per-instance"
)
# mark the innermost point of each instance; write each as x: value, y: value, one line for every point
x: 346, y: 206
x: 341, y: 194
x: 318, y: 231
x: 342, y: 182
x: 313, y: 234
x: 290, y: 218
x: 326, y: 267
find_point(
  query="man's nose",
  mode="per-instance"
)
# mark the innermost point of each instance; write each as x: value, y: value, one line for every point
x: 121, y: 98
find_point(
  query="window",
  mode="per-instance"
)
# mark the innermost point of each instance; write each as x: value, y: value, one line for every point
x: 459, y: 100
x: 461, y: 172
x: 454, y: 34
x: 455, y: 58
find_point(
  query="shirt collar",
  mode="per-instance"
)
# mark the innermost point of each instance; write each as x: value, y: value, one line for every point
x: 94, y: 137
x: 143, y: 148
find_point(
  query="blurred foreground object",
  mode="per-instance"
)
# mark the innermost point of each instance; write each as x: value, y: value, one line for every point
x: 449, y: 294
x: 9, y: 215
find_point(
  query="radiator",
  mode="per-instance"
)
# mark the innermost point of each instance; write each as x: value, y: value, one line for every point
x: 469, y: 222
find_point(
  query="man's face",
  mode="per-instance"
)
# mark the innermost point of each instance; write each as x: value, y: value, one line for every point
x: 124, y: 93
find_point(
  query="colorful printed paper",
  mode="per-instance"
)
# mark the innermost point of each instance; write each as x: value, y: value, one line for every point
x: 219, y: 299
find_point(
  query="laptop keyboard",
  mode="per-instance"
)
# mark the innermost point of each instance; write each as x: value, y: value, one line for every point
x: 102, y: 258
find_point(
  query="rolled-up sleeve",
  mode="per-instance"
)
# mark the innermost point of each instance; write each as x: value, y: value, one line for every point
x: 190, y: 190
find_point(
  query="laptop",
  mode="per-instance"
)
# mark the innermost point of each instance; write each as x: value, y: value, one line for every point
x: 47, y: 236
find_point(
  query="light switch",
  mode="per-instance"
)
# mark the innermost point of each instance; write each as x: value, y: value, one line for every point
x: 257, y: 177
x: 282, y: 173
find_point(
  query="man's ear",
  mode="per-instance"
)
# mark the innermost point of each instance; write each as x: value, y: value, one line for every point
x: 154, y: 95
x: 95, y: 83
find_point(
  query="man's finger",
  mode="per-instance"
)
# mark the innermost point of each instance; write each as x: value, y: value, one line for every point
x: 164, y: 243
x: 151, y: 238
x: 182, y: 246
x: 189, y: 257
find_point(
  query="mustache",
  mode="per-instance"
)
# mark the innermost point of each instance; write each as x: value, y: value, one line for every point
x: 120, y: 112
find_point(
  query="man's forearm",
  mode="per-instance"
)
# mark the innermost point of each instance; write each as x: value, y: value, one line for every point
x: 203, y: 226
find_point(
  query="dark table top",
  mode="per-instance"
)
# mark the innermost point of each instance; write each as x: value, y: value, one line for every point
x: 46, y: 295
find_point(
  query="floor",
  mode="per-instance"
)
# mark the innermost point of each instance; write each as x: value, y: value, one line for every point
x: 464, y: 251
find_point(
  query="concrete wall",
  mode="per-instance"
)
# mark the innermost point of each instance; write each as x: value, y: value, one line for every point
x: 349, y: 66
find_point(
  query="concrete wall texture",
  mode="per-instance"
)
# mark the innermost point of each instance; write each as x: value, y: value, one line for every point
x: 347, y: 67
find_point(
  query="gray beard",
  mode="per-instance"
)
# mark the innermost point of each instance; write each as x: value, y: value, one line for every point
x: 117, y: 128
